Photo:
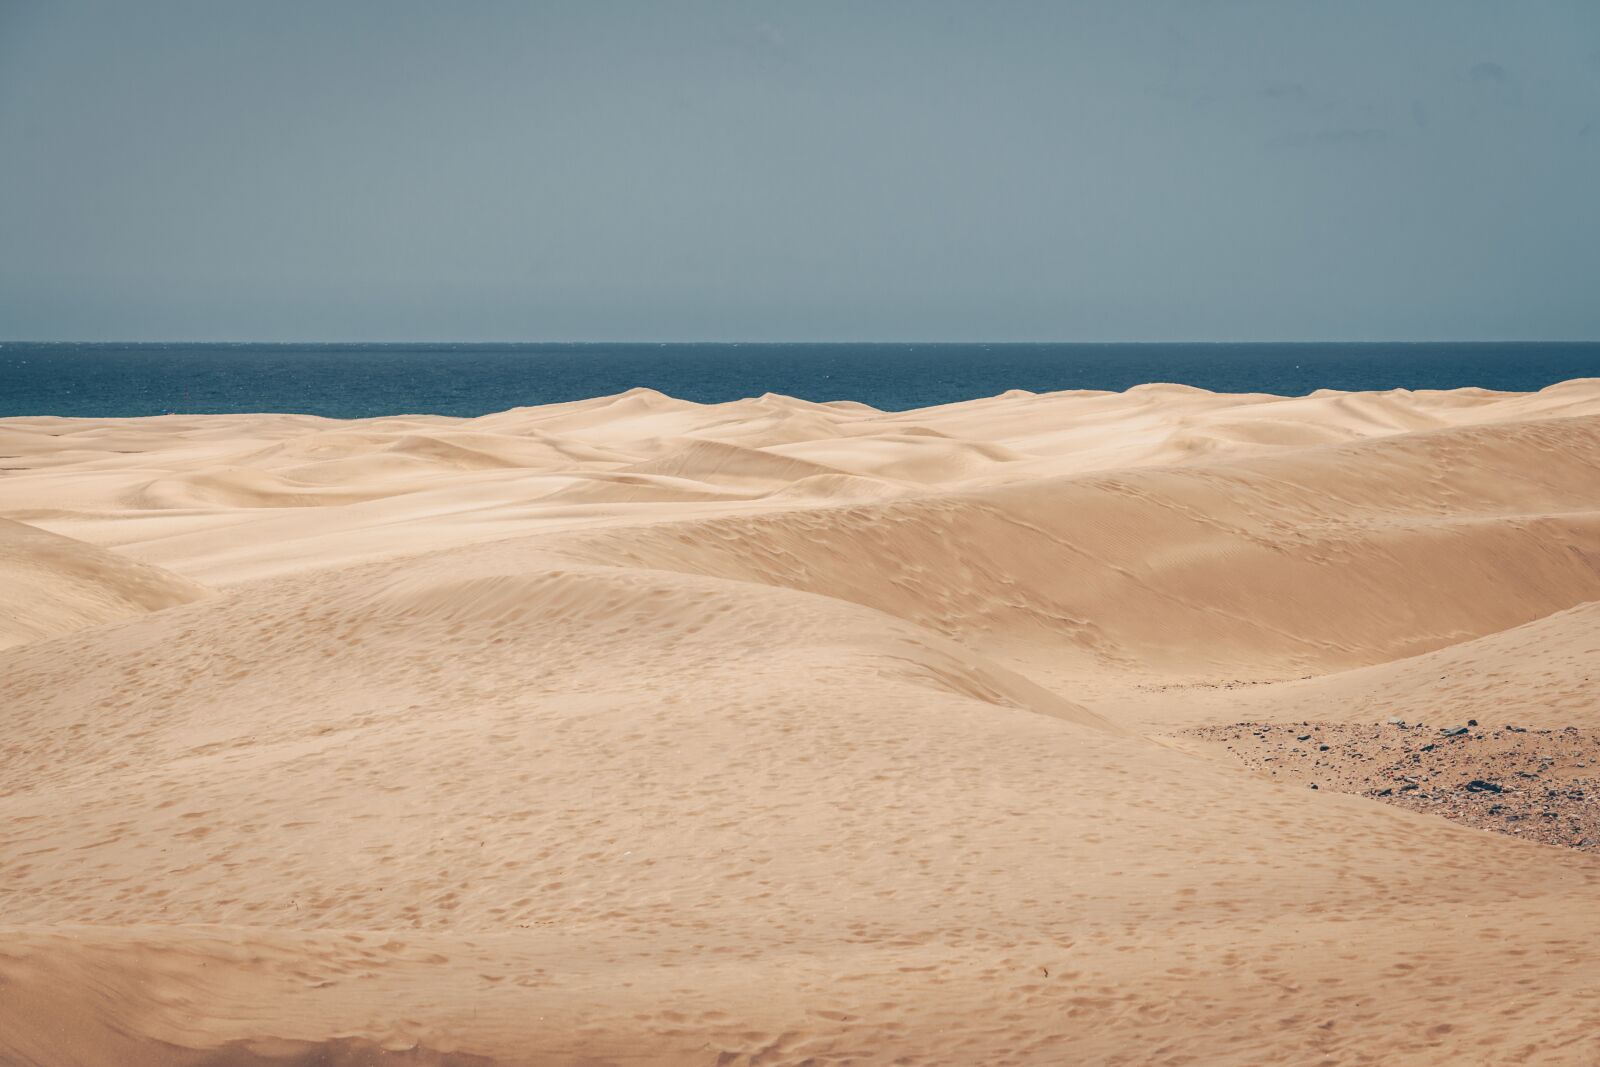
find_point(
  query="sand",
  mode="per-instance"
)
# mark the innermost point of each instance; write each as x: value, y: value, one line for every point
x: 638, y: 731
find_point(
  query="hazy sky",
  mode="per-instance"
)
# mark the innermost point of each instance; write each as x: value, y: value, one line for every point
x: 1126, y: 170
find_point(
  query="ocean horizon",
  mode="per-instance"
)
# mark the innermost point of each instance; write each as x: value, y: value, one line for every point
x: 357, y: 380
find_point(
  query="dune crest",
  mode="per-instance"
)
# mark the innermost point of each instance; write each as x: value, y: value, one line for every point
x: 52, y: 585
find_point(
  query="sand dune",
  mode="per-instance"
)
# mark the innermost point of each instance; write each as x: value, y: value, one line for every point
x: 51, y: 585
x: 1192, y: 568
x: 1544, y: 673
x: 638, y: 731
x: 720, y: 463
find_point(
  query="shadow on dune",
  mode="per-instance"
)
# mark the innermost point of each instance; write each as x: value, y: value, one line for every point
x: 342, y: 1052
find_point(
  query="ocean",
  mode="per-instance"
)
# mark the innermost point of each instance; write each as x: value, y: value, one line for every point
x: 359, y: 380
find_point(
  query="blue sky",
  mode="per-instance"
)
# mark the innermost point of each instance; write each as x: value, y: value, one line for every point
x: 1199, y: 170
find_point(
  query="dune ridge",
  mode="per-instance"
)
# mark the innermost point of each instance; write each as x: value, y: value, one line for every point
x: 51, y: 585
x: 775, y: 732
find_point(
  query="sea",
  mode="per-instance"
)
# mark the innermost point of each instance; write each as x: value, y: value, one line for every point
x: 102, y: 380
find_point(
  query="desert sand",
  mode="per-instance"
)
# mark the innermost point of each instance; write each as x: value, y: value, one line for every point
x: 635, y: 731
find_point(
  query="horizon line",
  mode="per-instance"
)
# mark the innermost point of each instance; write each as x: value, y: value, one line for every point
x: 660, y: 343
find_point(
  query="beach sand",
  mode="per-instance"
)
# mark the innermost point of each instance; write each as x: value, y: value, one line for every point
x: 635, y: 731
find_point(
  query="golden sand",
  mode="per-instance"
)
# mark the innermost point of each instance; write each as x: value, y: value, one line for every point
x: 638, y: 731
